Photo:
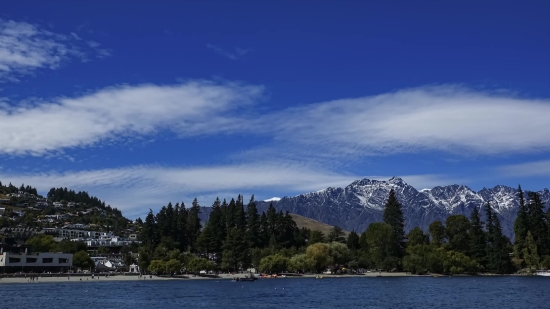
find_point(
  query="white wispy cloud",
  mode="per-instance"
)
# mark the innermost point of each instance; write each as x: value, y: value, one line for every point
x: 526, y: 169
x: 136, y: 189
x: 25, y: 48
x: 196, y: 107
x: 234, y: 54
x: 445, y: 118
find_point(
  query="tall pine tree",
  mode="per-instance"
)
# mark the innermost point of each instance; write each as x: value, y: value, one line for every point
x: 253, y: 225
x: 538, y: 224
x: 149, y: 234
x: 521, y: 227
x: 531, y: 256
x: 393, y: 215
x: 235, y: 251
x: 193, y: 225
x: 182, y: 237
x: 478, y: 239
x: 498, y: 249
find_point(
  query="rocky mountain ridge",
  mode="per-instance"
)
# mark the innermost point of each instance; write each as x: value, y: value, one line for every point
x: 361, y: 203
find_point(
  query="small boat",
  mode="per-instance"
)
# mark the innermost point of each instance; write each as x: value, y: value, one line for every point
x: 544, y: 273
x: 246, y: 278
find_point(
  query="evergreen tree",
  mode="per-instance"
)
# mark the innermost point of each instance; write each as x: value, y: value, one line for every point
x: 218, y: 225
x: 478, y: 240
x: 264, y: 231
x: 381, y: 244
x: 417, y: 237
x: 301, y: 237
x: 230, y: 212
x: 437, y: 231
x: 286, y: 230
x: 457, y: 228
x: 193, y: 225
x: 530, y: 253
x: 148, y: 231
x: 210, y: 240
x: 538, y: 224
x: 271, y: 220
x: 315, y: 237
x: 393, y: 215
x: 253, y: 225
x: 353, y: 241
x: 336, y: 234
x: 163, y: 225
x: 174, y: 222
x: 240, y: 215
x: 498, y: 249
x: 235, y: 250
x: 490, y: 232
x: 363, y: 244
x: 273, y: 244
x: 521, y: 226
x: 170, y: 232
x: 207, y: 239
x: 182, y: 237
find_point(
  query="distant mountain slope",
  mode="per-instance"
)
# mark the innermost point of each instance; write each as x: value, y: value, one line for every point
x: 361, y: 203
x: 311, y: 224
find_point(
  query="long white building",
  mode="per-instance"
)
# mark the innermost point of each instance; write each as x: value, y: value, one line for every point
x: 37, y: 262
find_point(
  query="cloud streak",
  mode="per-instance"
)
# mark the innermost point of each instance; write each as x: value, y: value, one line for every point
x: 233, y: 55
x: 25, y: 48
x: 527, y: 169
x: 449, y: 119
x: 190, y: 109
x: 446, y: 118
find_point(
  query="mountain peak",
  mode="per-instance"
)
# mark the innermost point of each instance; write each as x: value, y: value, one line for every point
x: 362, y: 202
x: 397, y: 180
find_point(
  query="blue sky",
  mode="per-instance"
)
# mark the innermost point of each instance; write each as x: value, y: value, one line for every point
x: 141, y: 103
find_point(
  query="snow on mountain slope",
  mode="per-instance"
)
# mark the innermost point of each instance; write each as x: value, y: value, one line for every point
x: 361, y: 203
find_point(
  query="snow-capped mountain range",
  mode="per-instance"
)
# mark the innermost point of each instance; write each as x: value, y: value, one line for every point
x: 361, y: 203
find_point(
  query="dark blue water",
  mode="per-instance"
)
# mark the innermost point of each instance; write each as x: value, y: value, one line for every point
x: 460, y: 292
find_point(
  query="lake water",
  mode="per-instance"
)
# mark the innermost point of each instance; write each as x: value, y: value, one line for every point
x: 405, y: 292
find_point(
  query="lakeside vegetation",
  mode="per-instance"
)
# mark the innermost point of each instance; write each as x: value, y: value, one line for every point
x: 237, y: 237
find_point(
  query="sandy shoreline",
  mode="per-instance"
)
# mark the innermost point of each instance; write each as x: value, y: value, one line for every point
x: 103, y: 278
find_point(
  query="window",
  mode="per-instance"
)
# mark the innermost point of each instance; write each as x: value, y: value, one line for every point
x: 63, y: 261
x: 14, y: 260
x: 47, y: 260
x: 31, y: 260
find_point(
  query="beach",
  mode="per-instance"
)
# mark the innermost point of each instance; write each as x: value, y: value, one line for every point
x: 103, y: 278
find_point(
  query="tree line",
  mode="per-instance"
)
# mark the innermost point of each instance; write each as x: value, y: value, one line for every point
x: 13, y: 189
x: 234, y: 237
x: 64, y: 194
x: 237, y: 237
